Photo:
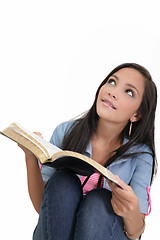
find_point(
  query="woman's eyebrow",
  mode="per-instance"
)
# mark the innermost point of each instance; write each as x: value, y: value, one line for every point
x: 115, y: 76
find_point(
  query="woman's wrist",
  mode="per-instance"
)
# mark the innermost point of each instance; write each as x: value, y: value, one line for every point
x: 137, y: 234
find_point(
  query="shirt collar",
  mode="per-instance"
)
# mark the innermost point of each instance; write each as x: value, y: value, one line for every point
x: 89, y: 150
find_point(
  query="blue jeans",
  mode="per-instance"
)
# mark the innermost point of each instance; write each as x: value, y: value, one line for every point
x: 68, y: 215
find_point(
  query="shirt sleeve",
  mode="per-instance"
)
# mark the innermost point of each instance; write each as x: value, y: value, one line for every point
x: 141, y: 179
x: 56, y: 139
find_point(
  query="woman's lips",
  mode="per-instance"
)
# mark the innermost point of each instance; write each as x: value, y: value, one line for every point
x: 108, y: 103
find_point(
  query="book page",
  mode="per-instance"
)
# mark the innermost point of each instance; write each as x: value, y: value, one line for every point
x: 37, y: 140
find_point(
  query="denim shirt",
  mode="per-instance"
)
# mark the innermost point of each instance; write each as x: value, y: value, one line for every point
x: 134, y: 171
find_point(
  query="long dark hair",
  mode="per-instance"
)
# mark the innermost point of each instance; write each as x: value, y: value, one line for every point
x: 83, y: 128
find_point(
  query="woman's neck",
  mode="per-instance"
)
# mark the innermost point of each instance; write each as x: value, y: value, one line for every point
x: 105, y: 141
x: 109, y: 133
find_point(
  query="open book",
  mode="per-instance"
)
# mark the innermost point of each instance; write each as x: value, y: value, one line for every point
x: 53, y: 156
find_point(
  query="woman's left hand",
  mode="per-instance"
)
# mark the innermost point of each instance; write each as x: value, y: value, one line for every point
x: 124, y: 200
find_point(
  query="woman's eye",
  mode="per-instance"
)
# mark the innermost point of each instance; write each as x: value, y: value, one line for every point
x: 112, y: 82
x: 130, y: 92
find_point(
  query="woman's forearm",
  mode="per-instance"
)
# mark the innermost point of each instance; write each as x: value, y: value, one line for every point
x: 35, y: 181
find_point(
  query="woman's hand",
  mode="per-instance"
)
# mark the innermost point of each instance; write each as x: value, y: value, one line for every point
x: 124, y: 201
x: 125, y: 204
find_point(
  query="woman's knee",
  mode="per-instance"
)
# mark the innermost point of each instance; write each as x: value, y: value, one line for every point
x: 63, y: 182
x: 61, y: 197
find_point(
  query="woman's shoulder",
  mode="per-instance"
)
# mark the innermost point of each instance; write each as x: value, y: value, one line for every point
x: 143, y: 147
x: 140, y: 150
x: 60, y: 131
x: 64, y: 126
x: 144, y: 152
x: 138, y: 147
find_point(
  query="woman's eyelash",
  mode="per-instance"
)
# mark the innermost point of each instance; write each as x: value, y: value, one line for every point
x: 112, y: 81
x: 130, y: 92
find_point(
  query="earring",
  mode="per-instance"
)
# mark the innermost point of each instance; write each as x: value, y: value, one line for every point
x: 130, y: 129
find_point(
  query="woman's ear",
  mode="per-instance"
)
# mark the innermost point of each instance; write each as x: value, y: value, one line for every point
x: 136, y: 117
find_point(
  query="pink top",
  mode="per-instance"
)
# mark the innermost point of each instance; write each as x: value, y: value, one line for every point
x: 91, y: 183
x: 149, y: 195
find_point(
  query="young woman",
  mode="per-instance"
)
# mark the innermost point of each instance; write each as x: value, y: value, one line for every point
x: 117, y: 132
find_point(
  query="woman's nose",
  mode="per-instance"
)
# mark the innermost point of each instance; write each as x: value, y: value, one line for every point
x: 113, y: 95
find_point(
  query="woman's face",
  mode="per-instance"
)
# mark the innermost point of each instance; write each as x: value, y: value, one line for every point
x: 120, y: 97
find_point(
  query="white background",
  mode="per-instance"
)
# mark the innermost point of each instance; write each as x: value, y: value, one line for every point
x: 53, y: 56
